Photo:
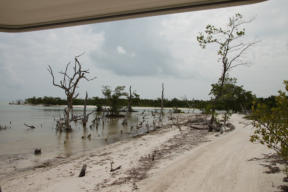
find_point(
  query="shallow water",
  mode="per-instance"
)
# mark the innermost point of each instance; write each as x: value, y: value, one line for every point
x: 17, y: 143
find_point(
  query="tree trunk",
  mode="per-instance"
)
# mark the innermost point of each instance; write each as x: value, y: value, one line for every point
x: 85, y: 117
x: 67, y: 112
x: 129, y: 101
x: 162, y: 98
x: 217, y: 97
x: 67, y: 119
x: 69, y: 84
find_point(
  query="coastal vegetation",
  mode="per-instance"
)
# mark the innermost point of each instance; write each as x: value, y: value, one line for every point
x: 112, y: 99
x: 271, y: 124
x: 233, y: 97
x: 230, y: 51
x: 226, y: 95
x: 234, y: 104
x: 268, y: 115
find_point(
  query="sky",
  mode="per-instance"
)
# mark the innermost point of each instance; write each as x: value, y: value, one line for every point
x: 146, y: 52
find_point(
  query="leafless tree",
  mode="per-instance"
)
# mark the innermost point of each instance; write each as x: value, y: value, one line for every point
x: 130, y: 97
x: 129, y: 100
x: 85, y: 116
x: 69, y: 83
x: 162, y: 99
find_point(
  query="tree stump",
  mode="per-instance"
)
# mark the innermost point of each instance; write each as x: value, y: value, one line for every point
x: 37, y: 152
x: 83, y: 171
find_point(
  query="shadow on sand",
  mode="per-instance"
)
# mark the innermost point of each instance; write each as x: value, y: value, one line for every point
x: 272, y: 161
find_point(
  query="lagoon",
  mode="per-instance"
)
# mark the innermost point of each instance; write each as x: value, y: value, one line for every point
x: 17, y: 143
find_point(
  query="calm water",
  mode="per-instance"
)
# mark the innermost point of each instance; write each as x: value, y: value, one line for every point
x: 17, y: 143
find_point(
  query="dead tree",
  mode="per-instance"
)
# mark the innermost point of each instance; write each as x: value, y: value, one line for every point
x: 129, y: 100
x: 69, y: 83
x: 130, y: 97
x: 85, y: 116
x: 162, y: 99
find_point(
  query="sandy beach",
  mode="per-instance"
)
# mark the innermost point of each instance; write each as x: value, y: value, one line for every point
x: 168, y: 159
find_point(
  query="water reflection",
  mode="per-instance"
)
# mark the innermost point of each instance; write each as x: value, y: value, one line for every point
x: 99, y: 130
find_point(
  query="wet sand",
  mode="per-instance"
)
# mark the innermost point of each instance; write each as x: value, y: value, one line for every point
x: 164, y: 160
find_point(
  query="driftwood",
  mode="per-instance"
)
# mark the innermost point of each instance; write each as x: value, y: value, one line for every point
x: 114, y: 169
x: 198, y: 120
x: 199, y: 127
x: 83, y: 171
x: 30, y: 126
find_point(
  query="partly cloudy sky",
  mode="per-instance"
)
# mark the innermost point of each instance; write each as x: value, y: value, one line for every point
x: 147, y: 51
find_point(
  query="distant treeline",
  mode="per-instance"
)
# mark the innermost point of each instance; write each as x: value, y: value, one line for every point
x: 269, y: 101
x: 135, y: 102
x: 236, y: 106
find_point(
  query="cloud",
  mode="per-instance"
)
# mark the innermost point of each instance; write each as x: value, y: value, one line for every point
x: 121, y: 50
x: 24, y: 57
x: 267, y: 58
x: 140, y: 49
x: 146, y: 52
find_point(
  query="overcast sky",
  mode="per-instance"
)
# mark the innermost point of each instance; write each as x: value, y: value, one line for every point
x: 146, y: 52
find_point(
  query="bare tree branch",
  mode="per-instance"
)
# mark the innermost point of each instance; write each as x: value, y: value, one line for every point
x: 53, y: 78
x: 69, y: 84
x: 241, y: 52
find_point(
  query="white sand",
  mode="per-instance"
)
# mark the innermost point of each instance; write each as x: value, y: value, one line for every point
x: 223, y: 164
x: 64, y: 177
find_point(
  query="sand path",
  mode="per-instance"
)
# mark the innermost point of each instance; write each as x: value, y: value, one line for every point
x: 225, y: 164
